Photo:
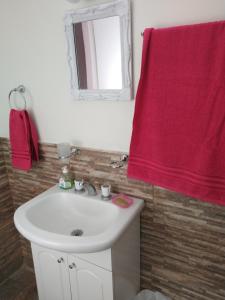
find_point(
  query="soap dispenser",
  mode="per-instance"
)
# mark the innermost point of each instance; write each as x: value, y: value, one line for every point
x: 65, y: 179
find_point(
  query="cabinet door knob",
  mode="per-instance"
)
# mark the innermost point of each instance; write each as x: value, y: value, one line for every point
x: 60, y: 260
x: 73, y: 265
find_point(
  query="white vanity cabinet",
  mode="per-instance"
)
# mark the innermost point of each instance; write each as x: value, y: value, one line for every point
x: 101, y: 263
x: 89, y: 281
x: 62, y: 277
x: 112, y: 274
x: 52, y: 275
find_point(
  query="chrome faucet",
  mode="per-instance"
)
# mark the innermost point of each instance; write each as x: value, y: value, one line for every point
x: 90, y: 188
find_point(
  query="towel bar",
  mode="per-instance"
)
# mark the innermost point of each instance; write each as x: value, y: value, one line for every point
x: 21, y: 90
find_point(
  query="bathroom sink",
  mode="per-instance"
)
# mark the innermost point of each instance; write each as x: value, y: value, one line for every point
x: 71, y: 222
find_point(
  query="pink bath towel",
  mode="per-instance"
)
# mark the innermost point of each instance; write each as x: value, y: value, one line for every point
x: 178, y: 139
x: 23, y: 139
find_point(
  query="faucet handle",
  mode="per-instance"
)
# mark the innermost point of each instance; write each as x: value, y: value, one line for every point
x: 90, y: 188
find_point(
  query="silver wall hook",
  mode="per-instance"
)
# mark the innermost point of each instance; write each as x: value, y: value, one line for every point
x: 119, y: 163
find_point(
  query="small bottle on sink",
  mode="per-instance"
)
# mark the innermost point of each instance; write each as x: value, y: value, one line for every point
x: 65, y: 179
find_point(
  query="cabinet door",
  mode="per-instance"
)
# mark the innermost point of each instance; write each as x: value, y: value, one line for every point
x: 51, y: 274
x: 88, y: 281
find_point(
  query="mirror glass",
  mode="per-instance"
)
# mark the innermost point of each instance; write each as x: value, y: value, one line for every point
x: 98, y: 53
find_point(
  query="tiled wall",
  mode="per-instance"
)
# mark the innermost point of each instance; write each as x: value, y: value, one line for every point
x: 182, y: 239
x: 10, y: 246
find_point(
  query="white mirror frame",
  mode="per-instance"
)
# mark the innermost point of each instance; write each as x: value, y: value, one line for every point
x: 119, y: 8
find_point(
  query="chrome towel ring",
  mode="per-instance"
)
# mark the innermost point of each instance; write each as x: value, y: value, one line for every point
x: 21, y: 90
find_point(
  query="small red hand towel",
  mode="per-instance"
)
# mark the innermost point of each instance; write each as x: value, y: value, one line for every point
x: 23, y: 139
x: 178, y: 139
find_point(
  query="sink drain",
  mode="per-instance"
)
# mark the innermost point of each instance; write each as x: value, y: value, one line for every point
x: 77, y: 232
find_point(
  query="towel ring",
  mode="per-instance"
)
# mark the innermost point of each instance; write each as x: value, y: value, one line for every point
x: 21, y: 90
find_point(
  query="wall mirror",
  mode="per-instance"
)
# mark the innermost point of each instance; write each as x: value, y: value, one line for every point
x: 99, y: 51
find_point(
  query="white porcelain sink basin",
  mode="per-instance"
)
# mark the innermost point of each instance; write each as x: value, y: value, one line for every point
x: 66, y: 221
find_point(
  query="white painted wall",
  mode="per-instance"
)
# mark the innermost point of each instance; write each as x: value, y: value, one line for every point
x: 33, y: 52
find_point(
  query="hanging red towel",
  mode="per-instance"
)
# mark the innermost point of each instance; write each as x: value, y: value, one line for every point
x: 23, y: 139
x: 178, y: 139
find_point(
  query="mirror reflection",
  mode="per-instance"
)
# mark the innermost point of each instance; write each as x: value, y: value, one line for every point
x: 98, y: 53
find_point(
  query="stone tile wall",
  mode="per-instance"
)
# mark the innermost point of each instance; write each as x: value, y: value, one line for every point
x: 10, y: 246
x: 182, y: 239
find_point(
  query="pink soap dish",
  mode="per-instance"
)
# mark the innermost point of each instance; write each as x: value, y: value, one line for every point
x: 122, y: 200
